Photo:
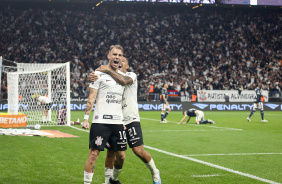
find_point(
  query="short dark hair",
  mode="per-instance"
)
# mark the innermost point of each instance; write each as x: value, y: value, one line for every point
x: 127, y: 60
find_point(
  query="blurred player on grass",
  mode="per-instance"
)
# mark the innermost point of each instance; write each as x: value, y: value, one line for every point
x: 165, y: 104
x: 131, y: 121
x: 61, y: 116
x: 46, y: 103
x: 258, y: 104
x: 200, y: 117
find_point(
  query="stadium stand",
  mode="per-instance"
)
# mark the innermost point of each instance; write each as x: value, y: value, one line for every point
x: 192, y: 49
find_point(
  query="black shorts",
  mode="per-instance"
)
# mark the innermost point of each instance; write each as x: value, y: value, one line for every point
x: 134, y: 134
x: 101, y: 134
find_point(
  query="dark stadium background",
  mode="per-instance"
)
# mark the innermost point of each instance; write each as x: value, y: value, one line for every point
x: 191, y: 46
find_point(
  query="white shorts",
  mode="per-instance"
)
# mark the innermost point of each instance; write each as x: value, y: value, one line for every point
x: 164, y: 107
x: 200, y: 116
x: 259, y: 106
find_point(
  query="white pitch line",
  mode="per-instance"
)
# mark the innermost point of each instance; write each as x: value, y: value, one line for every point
x: 196, y: 124
x: 83, y: 130
x: 209, y: 175
x: 227, y: 154
x: 182, y: 130
x: 213, y: 165
x: 202, y: 162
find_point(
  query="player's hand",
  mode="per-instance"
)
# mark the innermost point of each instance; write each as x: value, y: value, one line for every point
x: 103, y: 68
x: 85, y: 124
x: 92, y: 77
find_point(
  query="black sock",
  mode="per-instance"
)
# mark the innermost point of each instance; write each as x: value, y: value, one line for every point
x: 262, y: 115
x: 251, y: 113
x: 204, y: 122
x: 166, y: 113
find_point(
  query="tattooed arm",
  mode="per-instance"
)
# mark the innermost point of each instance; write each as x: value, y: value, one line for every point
x: 89, y: 106
x: 122, y: 80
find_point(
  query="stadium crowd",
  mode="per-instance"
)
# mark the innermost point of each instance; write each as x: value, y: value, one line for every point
x: 191, y: 49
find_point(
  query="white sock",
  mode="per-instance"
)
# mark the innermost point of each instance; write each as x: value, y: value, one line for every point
x: 88, y: 177
x: 108, y: 174
x: 116, y: 173
x: 152, y: 167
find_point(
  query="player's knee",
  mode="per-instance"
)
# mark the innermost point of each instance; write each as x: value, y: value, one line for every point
x: 93, y: 155
x: 138, y: 151
x: 120, y: 156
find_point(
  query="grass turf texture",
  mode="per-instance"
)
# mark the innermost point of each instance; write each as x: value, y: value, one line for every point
x: 232, y: 143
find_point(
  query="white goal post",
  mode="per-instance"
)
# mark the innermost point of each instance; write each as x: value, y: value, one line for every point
x: 34, y: 80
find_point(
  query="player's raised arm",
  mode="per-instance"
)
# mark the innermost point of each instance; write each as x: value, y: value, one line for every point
x: 121, y: 79
x: 89, y: 106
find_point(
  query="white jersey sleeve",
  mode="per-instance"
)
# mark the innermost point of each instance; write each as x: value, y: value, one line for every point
x: 44, y: 99
x: 108, y: 101
x: 129, y: 104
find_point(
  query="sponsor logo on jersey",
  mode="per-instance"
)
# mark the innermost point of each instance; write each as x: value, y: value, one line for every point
x: 112, y: 99
x: 108, y: 80
x: 107, y: 117
x: 272, y: 106
x: 98, y: 141
x: 113, y: 117
x: 127, y: 118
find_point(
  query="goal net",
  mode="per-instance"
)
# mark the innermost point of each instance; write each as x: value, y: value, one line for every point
x: 32, y: 81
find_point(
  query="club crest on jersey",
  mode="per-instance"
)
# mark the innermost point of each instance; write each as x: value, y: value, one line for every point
x: 96, y: 117
x: 98, y: 141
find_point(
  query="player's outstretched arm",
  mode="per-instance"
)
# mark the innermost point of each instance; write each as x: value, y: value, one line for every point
x: 122, y: 80
x: 188, y: 119
x: 182, y: 120
x: 89, y: 106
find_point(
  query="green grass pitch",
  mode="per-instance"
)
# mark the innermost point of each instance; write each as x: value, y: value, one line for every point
x: 230, y: 152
